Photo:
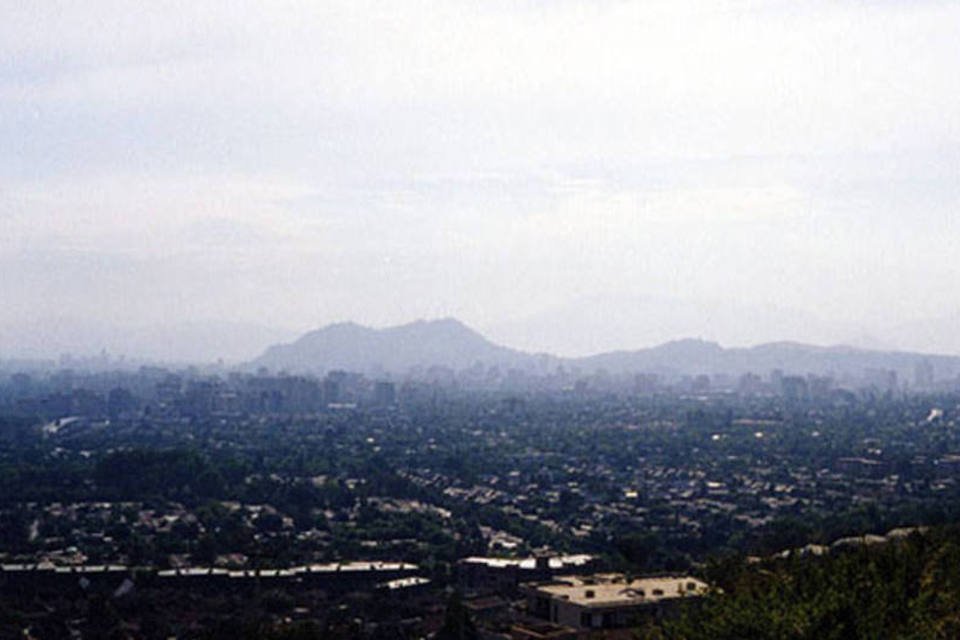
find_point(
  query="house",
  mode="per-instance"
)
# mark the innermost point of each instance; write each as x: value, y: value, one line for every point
x: 608, y: 601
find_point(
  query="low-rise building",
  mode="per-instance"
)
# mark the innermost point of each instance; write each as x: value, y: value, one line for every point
x: 608, y: 601
x: 504, y: 575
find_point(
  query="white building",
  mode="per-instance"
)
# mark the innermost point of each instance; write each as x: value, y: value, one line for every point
x: 608, y: 601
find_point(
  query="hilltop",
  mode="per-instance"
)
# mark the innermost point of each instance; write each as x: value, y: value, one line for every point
x: 450, y: 344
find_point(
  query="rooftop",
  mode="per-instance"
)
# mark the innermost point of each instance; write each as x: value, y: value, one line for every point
x: 616, y: 590
x: 558, y: 562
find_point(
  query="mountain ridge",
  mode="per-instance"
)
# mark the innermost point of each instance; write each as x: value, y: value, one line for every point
x: 445, y: 342
x: 449, y: 343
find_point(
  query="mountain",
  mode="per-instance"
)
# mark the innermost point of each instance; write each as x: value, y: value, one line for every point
x: 698, y: 356
x: 447, y: 343
x: 608, y: 322
x: 677, y: 356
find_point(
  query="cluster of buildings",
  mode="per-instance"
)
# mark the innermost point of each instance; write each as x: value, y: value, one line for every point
x: 564, y: 597
x: 160, y: 393
x: 745, y: 475
x: 507, y: 574
x: 337, y: 577
x: 609, y: 601
x: 101, y: 392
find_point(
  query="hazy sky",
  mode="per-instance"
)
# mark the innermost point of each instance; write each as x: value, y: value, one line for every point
x: 293, y: 164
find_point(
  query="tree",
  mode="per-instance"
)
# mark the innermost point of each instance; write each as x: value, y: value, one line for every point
x: 457, y: 624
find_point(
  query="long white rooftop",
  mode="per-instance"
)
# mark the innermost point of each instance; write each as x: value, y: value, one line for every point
x: 556, y: 562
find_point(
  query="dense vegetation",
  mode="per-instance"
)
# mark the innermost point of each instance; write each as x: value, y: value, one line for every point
x: 646, y: 483
x: 907, y: 589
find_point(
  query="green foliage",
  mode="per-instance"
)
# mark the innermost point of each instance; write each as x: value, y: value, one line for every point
x: 906, y: 589
x: 457, y: 624
x: 169, y: 473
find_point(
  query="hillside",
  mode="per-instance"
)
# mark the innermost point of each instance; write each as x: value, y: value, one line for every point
x: 451, y: 344
x: 904, y: 589
x: 698, y: 356
x: 442, y: 343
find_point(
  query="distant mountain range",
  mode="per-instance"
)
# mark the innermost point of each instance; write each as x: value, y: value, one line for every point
x: 595, y: 324
x: 451, y: 344
x: 349, y: 346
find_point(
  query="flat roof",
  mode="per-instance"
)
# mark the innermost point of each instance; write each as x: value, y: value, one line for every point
x: 333, y: 567
x: 612, y: 590
x: 405, y: 583
x: 556, y: 562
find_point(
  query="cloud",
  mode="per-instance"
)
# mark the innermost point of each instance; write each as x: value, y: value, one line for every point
x: 139, y: 213
x: 381, y: 161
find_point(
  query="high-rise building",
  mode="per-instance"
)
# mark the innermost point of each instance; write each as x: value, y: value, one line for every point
x: 923, y: 375
x: 384, y: 394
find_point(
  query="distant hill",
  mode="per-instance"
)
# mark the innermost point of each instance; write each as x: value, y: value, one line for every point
x: 602, y: 323
x: 451, y: 344
x: 698, y: 356
x: 445, y: 343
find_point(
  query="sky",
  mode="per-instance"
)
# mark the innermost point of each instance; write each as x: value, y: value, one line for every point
x: 535, y: 169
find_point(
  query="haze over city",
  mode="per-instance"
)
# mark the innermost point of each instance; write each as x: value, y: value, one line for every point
x: 565, y: 177
x: 479, y: 320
